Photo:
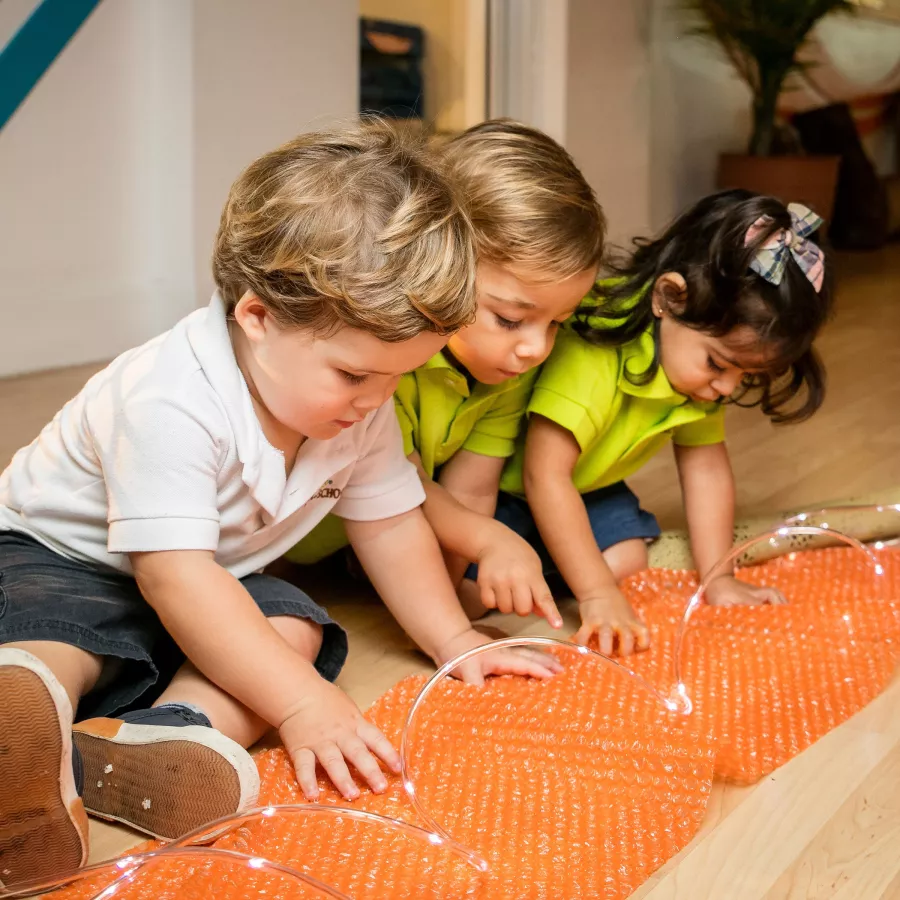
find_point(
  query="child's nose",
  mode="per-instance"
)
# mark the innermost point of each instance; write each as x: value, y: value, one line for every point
x: 726, y: 383
x: 375, y: 397
x: 532, y: 347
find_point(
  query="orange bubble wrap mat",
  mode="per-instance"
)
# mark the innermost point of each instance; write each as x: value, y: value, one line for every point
x: 582, y: 786
x: 766, y: 682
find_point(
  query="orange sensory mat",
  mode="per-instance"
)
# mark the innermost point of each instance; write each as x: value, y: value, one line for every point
x: 768, y: 681
x: 581, y: 786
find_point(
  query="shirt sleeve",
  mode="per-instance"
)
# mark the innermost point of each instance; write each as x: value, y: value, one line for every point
x: 161, y: 460
x: 496, y: 431
x: 566, y: 412
x: 708, y: 430
x: 384, y: 482
x: 576, y: 388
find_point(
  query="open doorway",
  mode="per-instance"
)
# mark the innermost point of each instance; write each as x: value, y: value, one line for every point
x: 441, y: 46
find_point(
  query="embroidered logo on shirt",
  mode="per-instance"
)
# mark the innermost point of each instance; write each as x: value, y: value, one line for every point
x: 327, y: 491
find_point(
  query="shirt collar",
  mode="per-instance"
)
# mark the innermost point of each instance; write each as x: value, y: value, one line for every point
x: 441, y: 366
x: 263, y: 465
x: 635, y: 358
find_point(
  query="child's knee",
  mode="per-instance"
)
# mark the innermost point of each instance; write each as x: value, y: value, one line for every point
x: 76, y: 670
x: 627, y: 558
x: 304, y: 635
x: 470, y: 600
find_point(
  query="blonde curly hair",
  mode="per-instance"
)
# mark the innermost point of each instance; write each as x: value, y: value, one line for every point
x: 351, y: 227
x: 529, y: 204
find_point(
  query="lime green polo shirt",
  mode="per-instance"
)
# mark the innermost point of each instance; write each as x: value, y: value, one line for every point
x: 440, y: 415
x: 619, y: 425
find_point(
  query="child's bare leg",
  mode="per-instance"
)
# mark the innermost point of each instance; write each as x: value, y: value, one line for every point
x: 470, y: 599
x: 75, y: 669
x: 226, y: 714
x: 43, y: 826
x: 627, y: 557
x: 165, y: 770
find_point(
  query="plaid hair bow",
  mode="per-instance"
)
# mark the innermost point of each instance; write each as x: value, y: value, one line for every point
x: 771, y: 258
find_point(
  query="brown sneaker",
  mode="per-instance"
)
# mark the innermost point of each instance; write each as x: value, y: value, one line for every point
x: 164, y: 771
x: 43, y: 826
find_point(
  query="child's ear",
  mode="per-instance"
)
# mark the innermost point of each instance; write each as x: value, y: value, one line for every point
x: 251, y: 316
x: 669, y: 292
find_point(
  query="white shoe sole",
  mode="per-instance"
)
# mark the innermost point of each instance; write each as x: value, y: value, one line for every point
x: 163, y: 780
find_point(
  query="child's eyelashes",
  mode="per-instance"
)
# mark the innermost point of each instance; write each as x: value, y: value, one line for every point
x: 509, y: 324
x: 353, y: 379
x: 713, y: 365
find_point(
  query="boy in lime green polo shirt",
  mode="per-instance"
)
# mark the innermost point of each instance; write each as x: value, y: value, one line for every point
x: 439, y: 414
x: 539, y: 238
x: 725, y: 304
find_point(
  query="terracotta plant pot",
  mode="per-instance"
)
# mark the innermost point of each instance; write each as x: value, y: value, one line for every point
x: 811, y: 180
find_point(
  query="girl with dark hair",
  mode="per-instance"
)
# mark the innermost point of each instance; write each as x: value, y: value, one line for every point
x: 723, y: 308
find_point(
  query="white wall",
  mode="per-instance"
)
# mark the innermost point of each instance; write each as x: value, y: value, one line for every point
x: 528, y: 69
x: 80, y: 273
x: 580, y: 70
x: 648, y: 110
x: 698, y: 108
x: 263, y: 73
x: 114, y: 170
x: 608, y: 113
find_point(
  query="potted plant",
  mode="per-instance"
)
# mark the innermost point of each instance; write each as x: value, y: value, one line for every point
x: 763, y: 40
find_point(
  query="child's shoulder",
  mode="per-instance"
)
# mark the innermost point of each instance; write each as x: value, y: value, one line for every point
x: 167, y: 378
x: 575, y: 357
x: 577, y: 372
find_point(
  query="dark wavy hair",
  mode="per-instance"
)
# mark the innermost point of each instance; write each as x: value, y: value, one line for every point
x: 706, y: 246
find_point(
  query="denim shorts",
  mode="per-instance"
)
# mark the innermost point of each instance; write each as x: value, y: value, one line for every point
x: 614, y: 512
x: 47, y: 597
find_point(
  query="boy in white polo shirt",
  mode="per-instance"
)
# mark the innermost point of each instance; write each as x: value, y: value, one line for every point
x: 134, y: 528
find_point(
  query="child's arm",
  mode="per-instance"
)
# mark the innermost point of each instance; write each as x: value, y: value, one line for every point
x: 551, y: 453
x: 225, y: 635
x: 707, y: 485
x: 474, y: 480
x: 460, y: 510
x: 403, y: 559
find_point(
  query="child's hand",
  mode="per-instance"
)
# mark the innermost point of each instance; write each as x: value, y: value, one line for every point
x: 510, y: 578
x: 728, y: 591
x: 505, y: 661
x: 615, y: 623
x: 328, y: 726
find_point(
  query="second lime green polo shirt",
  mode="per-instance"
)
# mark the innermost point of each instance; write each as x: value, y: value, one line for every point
x: 619, y: 425
x: 440, y: 415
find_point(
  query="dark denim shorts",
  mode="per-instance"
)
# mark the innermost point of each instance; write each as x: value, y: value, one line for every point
x: 47, y: 597
x: 614, y: 512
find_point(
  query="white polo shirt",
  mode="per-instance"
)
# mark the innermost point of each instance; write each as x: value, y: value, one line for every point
x: 162, y: 450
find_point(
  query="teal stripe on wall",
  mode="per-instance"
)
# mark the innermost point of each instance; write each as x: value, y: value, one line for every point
x: 34, y: 46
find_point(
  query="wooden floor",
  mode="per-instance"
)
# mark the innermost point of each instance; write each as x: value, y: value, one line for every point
x: 827, y: 824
